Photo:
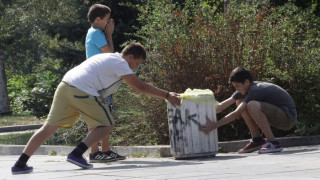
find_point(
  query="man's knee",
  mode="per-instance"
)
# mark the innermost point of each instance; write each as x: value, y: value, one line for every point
x: 105, y: 129
x: 253, y: 106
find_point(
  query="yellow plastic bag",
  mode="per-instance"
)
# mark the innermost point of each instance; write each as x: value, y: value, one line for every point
x: 199, y: 96
x: 66, y: 126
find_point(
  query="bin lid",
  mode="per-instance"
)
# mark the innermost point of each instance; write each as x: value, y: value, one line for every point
x: 199, y: 96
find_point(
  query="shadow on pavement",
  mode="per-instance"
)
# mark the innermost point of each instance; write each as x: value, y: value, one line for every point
x: 295, y: 151
x: 147, y: 164
x: 153, y: 164
x: 227, y: 157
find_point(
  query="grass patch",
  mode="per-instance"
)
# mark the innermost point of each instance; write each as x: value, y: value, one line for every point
x: 15, y: 120
x: 139, y: 155
x: 17, y: 139
x: 53, y: 153
x: 23, y: 138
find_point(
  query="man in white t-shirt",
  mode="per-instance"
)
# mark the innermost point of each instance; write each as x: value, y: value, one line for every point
x: 83, y: 91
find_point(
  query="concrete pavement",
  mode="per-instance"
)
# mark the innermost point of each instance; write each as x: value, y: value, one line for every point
x: 299, y: 162
x: 293, y: 163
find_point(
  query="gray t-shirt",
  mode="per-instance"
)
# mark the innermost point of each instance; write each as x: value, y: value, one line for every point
x: 269, y: 93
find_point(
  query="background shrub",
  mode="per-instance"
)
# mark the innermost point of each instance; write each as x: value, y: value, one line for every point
x: 191, y: 44
x: 197, y: 47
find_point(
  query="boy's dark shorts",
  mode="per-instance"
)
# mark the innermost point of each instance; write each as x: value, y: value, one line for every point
x: 276, y: 116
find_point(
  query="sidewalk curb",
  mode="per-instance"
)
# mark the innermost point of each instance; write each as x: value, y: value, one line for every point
x: 20, y: 128
x: 234, y: 146
x: 157, y: 151
x: 152, y: 151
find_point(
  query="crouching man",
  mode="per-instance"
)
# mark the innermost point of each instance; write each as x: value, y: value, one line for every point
x: 261, y: 105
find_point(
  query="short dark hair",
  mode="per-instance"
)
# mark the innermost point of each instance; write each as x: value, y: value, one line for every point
x: 240, y: 74
x: 136, y: 49
x: 98, y: 10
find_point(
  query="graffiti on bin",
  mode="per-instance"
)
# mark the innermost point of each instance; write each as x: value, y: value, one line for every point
x: 176, y: 118
x: 179, y: 125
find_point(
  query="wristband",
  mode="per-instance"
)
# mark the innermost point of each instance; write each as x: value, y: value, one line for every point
x: 167, y: 95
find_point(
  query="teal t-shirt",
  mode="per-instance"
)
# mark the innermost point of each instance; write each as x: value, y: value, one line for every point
x: 95, y: 40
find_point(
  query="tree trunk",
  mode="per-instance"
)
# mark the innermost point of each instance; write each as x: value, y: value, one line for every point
x: 226, y: 4
x: 4, y: 99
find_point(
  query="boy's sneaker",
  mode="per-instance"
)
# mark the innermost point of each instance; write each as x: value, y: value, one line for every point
x: 21, y: 170
x: 252, y: 146
x: 114, y: 155
x: 79, y: 161
x: 270, y: 148
x: 99, y: 157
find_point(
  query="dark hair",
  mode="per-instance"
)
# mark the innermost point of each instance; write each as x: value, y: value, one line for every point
x: 98, y: 10
x: 136, y: 49
x: 240, y: 74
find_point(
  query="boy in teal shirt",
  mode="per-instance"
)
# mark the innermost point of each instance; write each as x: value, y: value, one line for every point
x: 99, y: 36
x: 99, y: 40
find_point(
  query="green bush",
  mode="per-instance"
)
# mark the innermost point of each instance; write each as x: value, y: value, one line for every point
x: 197, y: 47
x: 33, y: 93
x: 131, y: 124
x: 191, y: 45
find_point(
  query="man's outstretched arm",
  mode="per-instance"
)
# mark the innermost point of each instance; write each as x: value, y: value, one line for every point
x: 142, y: 87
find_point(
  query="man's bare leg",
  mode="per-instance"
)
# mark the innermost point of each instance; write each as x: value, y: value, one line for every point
x: 105, y: 144
x: 95, y: 146
x: 251, y: 124
x: 38, y: 138
x: 260, y: 118
x: 96, y: 135
x: 20, y: 167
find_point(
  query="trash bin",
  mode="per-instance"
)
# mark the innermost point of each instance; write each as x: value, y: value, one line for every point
x: 186, y: 141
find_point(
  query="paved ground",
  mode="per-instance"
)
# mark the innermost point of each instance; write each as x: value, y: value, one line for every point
x: 293, y: 163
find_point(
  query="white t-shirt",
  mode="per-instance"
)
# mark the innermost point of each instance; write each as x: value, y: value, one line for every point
x: 99, y: 72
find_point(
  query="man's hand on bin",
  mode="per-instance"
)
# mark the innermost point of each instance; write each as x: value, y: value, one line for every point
x: 210, y: 126
x: 174, y: 98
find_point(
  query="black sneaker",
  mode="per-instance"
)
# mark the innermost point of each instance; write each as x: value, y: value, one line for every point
x: 99, y: 157
x: 114, y: 155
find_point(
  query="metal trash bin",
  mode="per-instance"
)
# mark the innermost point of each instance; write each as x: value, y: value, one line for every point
x: 186, y: 141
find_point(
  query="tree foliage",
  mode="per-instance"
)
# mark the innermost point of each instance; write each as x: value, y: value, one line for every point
x: 191, y: 44
x: 42, y: 39
x: 195, y: 46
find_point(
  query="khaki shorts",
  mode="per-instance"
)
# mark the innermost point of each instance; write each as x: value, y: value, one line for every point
x: 69, y: 103
x: 276, y: 116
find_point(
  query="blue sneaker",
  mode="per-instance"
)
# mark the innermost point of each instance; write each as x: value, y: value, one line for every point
x: 270, y: 148
x: 21, y: 170
x: 79, y: 161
